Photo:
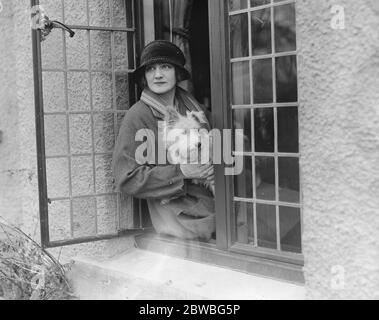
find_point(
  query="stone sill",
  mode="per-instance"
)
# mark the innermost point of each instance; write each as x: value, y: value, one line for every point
x: 139, y: 274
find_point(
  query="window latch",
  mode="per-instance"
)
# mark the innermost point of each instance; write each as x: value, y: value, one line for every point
x: 47, y: 25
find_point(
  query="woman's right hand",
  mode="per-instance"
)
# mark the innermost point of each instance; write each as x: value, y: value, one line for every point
x: 196, y: 171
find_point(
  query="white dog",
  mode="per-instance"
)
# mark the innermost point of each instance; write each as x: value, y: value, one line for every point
x: 188, y: 141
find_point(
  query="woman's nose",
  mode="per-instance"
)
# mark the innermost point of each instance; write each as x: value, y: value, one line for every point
x: 158, y: 73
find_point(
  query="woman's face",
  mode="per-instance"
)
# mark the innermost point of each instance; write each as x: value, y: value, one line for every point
x: 160, y: 77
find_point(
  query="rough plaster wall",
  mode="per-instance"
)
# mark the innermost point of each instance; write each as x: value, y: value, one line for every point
x: 339, y: 136
x: 18, y: 166
x: 11, y: 173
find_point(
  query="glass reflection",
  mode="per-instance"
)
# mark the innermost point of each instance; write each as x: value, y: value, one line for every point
x: 243, y: 184
x: 262, y: 80
x: 290, y: 229
x: 239, y: 36
x: 237, y: 5
x: 244, y: 222
x: 256, y: 3
x: 289, y: 184
x: 261, y: 31
x: 265, y: 178
x: 266, y: 226
x: 242, y: 120
x: 285, y: 28
x: 264, y: 129
x: 241, y: 83
x: 286, y: 79
x: 288, y: 130
x: 122, y: 96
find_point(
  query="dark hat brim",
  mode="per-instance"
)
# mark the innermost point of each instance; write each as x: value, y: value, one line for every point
x: 140, y: 71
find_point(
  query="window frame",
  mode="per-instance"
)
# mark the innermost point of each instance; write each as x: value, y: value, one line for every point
x: 297, y: 258
x: 224, y: 252
x: 44, y: 201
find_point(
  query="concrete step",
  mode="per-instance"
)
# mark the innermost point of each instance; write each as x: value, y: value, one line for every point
x: 139, y: 274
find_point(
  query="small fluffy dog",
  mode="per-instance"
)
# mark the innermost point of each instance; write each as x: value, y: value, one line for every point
x: 188, y: 141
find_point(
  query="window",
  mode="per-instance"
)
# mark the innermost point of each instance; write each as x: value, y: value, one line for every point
x: 263, y: 83
x: 243, y: 58
x: 253, y: 86
x: 84, y: 90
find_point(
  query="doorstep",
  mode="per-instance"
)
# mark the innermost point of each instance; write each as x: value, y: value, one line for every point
x: 144, y: 275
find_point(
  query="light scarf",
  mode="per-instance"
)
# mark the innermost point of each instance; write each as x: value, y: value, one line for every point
x: 186, y: 102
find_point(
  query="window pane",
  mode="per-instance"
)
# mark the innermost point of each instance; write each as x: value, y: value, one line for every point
x: 289, y: 185
x: 54, y: 98
x: 59, y: 220
x: 119, y: 13
x: 56, y: 135
x: 82, y: 176
x: 80, y: 134
x: 104, y: 176
x: 241, y: 83
x: 264, y: 129
x: 102, y: 91
x: 52, y: 51
x: 57, y: 178
x: 124, y: 91
x: 290, y: 229
x: 104, y: 132
x: 266, y: 226
x: 106, y: 218
x: 242, y: 120
x: 237, y: 5
x: 261, y: 31
x: 244, y: 222
x: 288, y: 130
x: 285, y: 28
x: 121, y: 51
x: 75, y: 12
x: 243, y: 183
x: 77, y: 50
x: 262, y: 80
x: 99, y: 13
x: 101, y: 58
x: 256, y: 3
x: 286, y: 79
x: 239, y: 36
x: 84, y: 217
x: 78, y: 91
x: 265, y: 178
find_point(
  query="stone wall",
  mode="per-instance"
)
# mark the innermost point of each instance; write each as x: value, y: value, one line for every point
x: 339, y: 137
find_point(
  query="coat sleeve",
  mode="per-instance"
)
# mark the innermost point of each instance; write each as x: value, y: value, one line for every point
x: 142, y: 181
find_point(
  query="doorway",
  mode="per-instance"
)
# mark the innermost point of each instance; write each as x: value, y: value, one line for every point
x: 188, y: 27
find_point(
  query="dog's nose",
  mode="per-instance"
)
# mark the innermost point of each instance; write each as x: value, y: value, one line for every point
x: 199, y: 145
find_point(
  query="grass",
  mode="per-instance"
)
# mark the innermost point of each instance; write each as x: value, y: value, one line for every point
x: 27, y: 271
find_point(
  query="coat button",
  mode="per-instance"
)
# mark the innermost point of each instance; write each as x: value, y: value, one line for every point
x: 171, y: 182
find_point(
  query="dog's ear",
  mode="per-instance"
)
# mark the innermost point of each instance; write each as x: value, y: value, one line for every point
x: 199, y: 116
x: 172, y: 116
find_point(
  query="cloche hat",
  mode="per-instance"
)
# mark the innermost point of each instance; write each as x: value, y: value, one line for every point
x: 162, y: 51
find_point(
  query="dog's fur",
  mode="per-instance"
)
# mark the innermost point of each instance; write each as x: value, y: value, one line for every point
x: 187, y: 140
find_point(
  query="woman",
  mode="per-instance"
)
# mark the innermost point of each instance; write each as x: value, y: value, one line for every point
x: 189, y: 213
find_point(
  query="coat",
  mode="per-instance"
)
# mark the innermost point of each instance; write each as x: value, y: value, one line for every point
x: 190, y: 212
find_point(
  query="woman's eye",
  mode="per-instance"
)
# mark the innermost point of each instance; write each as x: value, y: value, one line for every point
x: 166, y: 67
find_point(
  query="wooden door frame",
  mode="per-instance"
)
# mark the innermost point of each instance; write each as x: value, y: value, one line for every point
x: 220, y: 97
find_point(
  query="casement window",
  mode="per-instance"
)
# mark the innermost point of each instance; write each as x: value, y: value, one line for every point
x: 242, y: 55
x: 83, y: 90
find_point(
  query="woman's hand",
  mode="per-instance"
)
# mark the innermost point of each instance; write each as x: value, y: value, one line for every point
x: 197, y: 171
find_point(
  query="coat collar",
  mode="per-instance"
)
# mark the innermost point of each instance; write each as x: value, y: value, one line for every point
x: 158, y: 107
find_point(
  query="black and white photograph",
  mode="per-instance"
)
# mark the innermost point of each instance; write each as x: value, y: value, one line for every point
x: 189, y: 150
